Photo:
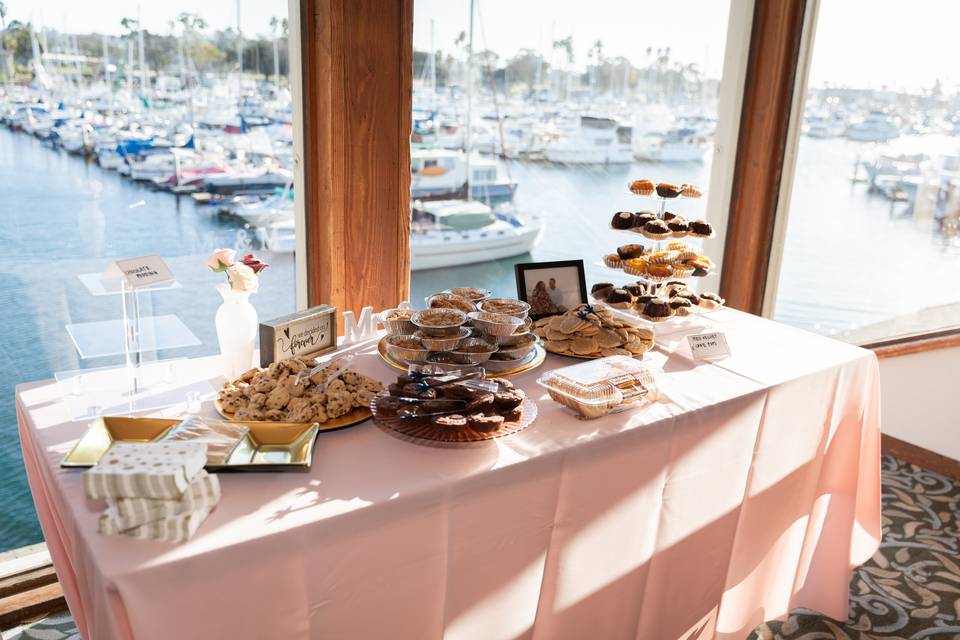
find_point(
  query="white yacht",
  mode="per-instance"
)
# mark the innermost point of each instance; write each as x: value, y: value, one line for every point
x: 439, y: 174
x: 448, y: 233
x: 594, y: 141
x: 676, y: 145
x: 875, y: 127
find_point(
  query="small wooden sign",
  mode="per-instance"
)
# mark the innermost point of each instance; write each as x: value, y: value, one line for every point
x: 709, y: 346
x: 306, y: 333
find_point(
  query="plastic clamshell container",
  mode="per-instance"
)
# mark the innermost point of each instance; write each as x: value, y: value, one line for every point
x: 598, y: 387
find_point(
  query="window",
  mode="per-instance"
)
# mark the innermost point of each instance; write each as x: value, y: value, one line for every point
x: 872, y: 249
x: 566, y: 105
x: 123, y: 135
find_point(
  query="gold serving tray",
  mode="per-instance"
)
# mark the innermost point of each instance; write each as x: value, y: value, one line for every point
x: 536, y: 361
x: 356, y: 416
x: 269, y: 446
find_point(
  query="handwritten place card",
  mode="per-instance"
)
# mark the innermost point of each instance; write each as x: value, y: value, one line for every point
x: 709, y: 346
x: 138, y: 273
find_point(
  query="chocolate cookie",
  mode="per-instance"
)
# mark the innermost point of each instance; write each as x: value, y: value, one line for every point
x: 483, y: 423
x: 483, y: 400
x: 454, y: 422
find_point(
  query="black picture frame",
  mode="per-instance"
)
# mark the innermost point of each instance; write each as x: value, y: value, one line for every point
x: 522, y: 269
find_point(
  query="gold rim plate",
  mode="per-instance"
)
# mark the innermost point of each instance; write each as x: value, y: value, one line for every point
x: 539, y: 356
x: 355, y: 417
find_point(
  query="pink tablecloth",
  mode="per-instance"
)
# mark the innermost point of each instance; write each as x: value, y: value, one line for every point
x: 755, y: 489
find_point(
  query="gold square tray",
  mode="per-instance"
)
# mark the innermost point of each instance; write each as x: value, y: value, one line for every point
x: 269, y: 446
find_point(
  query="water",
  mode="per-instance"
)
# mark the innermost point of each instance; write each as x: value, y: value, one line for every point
x: 850, y: 258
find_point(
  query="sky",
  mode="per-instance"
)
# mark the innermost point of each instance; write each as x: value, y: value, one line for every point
x: 859, y: 43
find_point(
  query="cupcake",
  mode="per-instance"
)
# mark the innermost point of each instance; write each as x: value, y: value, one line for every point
x: 678, y: 227
x: 701, y: 229
x: 656, y: 310
x: 662, y: 257
x: 601, y: 290
x: 641, y: 218
x: 635, y: 290
x: 689, y: 295
x: 701, y: 265
x: 711, y: 301
x: 673, y: 288
x: 667, y: 190
x: 628, y: 251
x: 683, y: 270
x: 612, y: 260
x: 659, y: 271
x: 688, y: 190
x: 680, y: 306
x: 635, y: 266
x: 619, y: 299
x: 656, y: 230
x: 622, y: 220
x: 642, y: 187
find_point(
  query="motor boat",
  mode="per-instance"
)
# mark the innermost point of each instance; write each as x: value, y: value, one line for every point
x: 676, y: 145
x: 875, y: 127
x: 447, y: 233
x: 441, y: 174
x: 595, y: 141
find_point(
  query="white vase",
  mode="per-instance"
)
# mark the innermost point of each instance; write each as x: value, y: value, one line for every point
x: 236, y: 331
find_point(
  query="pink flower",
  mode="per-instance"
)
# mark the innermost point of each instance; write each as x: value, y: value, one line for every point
x: 254, y: 263
x: 221, y: 259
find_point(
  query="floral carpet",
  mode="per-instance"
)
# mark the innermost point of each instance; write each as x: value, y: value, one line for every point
x: 910, y: 589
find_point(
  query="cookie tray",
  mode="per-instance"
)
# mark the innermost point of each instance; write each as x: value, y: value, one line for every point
x: 269, y: 446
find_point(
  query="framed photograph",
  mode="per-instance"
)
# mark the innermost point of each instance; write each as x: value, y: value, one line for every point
x: 551, y: 288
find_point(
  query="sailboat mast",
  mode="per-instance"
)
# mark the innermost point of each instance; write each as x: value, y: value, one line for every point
x: 106, y: 62
x: 466, y: 137
x: 433, y: 73
x: 239, y: 53
x: 143, y: 64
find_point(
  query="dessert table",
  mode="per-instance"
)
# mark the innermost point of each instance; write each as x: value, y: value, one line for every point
x: 751, y: 489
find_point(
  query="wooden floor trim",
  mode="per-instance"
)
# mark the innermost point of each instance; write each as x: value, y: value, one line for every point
x: 919, y: 456
x: 31, y: 604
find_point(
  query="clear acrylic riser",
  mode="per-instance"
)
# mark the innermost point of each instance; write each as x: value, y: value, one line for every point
x: 89, y: 393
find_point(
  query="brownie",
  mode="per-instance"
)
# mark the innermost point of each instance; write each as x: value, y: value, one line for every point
x: 407, y: 379
x: 414, y: 390
x: 389, y: 405
x: 658, y: 227
x: 482, y: 400
x: 506, y: 400
x: 513, y: 415
x: 459, y: 392
x: 395, y: 390
x: 483, y: 423
x: 657, y: 308
x: 502, y: 383
x: 622, y: 220
x: 678, y: 226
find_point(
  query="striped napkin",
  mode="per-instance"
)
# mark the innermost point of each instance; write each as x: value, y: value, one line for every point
x: 178, y: 528
x: 126, y: 513
x: 145, y: 470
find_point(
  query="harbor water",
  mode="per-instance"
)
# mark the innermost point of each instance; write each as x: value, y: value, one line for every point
x: 852, y: 258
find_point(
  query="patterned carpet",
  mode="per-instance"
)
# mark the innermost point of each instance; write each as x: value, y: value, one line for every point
x: 909, y: 590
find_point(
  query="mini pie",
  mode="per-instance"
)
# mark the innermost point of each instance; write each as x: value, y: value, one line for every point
x: 642, y: 187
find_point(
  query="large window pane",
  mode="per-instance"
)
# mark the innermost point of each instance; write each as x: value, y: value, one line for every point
x: 567, y: 105
x: 90, y: 173
x: 872, y: 249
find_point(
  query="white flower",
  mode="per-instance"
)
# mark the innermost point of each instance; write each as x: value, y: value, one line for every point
x: 221, y: 259
x: 242, y: 278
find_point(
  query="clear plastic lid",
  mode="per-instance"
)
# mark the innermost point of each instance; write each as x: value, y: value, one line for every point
x: 597, y: 387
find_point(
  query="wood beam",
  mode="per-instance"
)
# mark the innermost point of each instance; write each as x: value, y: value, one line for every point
x: 357, y: 66
x: 764, y: 125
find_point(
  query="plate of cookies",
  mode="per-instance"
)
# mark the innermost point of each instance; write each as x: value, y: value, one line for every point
x: 300, y: 390
x: 449, y: 408
x: 589, y: 332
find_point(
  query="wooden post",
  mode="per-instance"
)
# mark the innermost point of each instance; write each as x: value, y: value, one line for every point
x: 357, y: 61
x: 764, y: 125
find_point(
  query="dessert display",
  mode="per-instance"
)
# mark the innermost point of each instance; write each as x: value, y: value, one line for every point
x: 593, y: 332
x: 493, y: 332
x: 655, y: 301
x: 677, y: 261
x: 299, y: 390
x: 607, y: 385
x: 452, y: 407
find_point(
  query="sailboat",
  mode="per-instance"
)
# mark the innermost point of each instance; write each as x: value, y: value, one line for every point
x: 447, y: 233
